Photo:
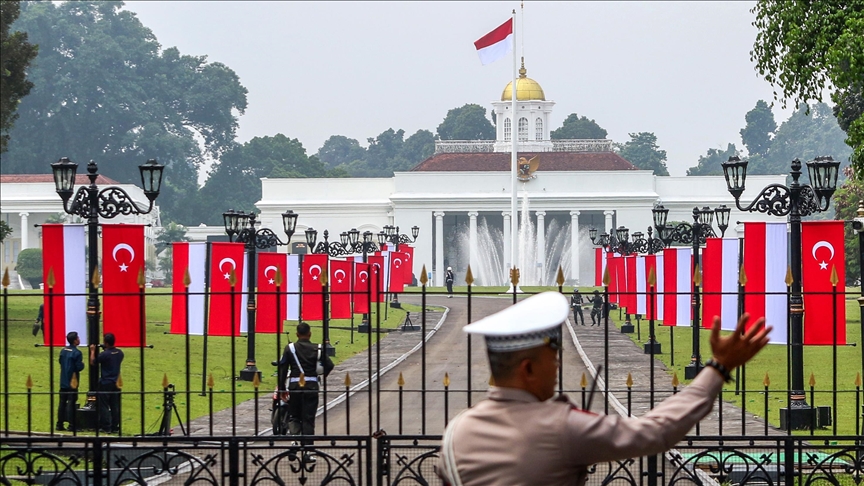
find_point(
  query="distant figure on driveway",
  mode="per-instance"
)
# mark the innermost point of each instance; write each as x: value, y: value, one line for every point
x: 596, y: 309
x: 448, y: 279
x: 576, y: 304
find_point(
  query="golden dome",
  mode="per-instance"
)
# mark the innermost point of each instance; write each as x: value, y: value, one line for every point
x: 526, y: 88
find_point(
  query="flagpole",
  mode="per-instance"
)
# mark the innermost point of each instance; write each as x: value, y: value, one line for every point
x: 514, y: 225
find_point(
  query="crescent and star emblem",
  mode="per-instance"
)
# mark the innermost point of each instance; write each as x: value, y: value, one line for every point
x: 123, y: 246
x: 336, y: 274
x: 823, y: 265
x: 397, y: 262
x: 315, y: 276
x: 270, y: 267
x: 222, y: 262
x: 363, y: 276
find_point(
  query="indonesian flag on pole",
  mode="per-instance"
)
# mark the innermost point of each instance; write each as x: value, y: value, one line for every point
x: 122, y: 261
x: 361, y: 287
x: 63, y: 255
x: 647, y: 301
x: 641, y: 286
x: 225, y: 257
x: 823, y: 250
x: 408, y: 266
x: 313, y: 292
x: 340, y: 289
x: 495, y: 44
x: 191, y: 256
x: 376, y: 265
x: 765, y: 246
x: 269, y: 264
x: 397, y: 271
x: 720, y: 282
x: 677, y: 282
x: 660, y: 285
x: 599, y: 266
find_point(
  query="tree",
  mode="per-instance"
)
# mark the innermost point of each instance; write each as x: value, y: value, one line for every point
x: 643, y: 152
x: 29, y: 265
x: 170, y: 233
x: 15, y: 56
x: 575, y: 128
x: 468, y: 122
x: 104, y: 90
x: 756, y: 135
x: 709, y: 164
x: 389, y: 152
x: 339, y: 150
x: 417, y: 148
x: 845, y: 203
x: 5, y: 230
x: 804, y: 47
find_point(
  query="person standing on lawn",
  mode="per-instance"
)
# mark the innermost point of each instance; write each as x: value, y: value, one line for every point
x: 71, y: 364
x: 109, y: 393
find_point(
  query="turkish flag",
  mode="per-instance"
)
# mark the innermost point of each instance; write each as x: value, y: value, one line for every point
x: 269, y: 294
x: 397, y: 272
x: 122, y: 261
x: 340, y: 289
x: 408, y: 266
x: 312, y: 307
x: 823, y: 250
x: 376, y: 271
x: 361, y: 287
x: 225, y: 257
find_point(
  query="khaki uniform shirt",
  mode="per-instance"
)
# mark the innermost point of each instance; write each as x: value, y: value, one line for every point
x: 512, y: 438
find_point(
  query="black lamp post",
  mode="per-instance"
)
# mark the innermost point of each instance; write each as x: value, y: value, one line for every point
x: 794, y: 201
x: 694, y: 235
x: 242, y: 225
x: 90, y: 203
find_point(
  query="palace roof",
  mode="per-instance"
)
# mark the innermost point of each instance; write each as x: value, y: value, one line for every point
x: 500, y: 161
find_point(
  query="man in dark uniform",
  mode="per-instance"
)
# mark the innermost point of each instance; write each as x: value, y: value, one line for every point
x: 596, y: 309
x: 71, y: 363
x: 576, y: 304
x: 308, y: 363
x: 109, y: 393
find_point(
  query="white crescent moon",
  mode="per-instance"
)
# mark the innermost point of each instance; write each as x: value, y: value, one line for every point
x: 408, y: 255
x: 367, y: 273
x: 314, y: 267
x: 336, y: 273
x: 123, y: 246
x: 825, y: 244
x: 229, y: 260
x: 378, y: 265
x: 273, y: 267
x: 399, y: 259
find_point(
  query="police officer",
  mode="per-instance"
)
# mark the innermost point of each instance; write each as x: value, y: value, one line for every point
x: 576, y: 304
x: 71, y: 364
x: 448, y: 279
x: 109, y: 393
x: 518, y: 436
x: 596, y: 309
x: 308, y: 363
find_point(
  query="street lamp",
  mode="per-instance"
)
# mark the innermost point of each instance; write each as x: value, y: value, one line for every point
x: 90, y: 203
x: 794, y: 201
x: 242, y: 225
x: 694, y: 235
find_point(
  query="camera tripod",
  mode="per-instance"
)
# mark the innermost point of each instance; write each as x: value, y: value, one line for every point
x: 167, y: 408
x: 408, y: 325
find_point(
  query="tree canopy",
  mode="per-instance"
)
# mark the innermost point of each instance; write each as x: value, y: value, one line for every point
x: 760, y: 127
x: 104, y: 90
x: 15, y: 56
x: 643, y: 152
x: 389, y: 152
x: 468, y: 122
x: 575, y: 127
x: 709, y: 164
x: 804, y: 47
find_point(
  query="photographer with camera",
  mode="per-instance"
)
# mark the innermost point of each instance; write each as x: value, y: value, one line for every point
x: 109, y: 394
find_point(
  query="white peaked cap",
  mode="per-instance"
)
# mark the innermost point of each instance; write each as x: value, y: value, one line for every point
x: 530, y: 323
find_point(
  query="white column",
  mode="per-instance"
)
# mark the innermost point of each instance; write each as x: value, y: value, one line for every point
x: 574, y: 246
x: 25, y: 231
x: 609, y: 228
x: 439, y: 249
x: 541, y: 242
x: 473, y: 256
x: 506, y: 230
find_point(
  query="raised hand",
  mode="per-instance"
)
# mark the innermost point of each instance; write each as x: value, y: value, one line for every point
x: 739, y: 347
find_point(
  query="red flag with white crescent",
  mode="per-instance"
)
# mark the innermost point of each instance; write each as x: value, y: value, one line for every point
x: 269, y: 263
x: 340, y: 289
x: 63, y: 254
x: 408, y: 266
x: 313, y: 267
x: 376, y: 264
x: 361, y: 287
x: 225, y: 257
x: 823, y: 249
x: 397, y: 272
x: 122, y: 261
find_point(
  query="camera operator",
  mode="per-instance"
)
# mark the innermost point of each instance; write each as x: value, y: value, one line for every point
x: 109, y: 394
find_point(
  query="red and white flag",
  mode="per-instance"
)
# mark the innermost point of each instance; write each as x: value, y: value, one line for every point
x: 822, y: 250
x: 641, y: 286
x: 340, y: 289
x: 293, y: 287
x: 720, y: 282
x: 225, y: 257
x: 191, y: 256
x: 495, y: 44
x: 377, y: 267
x: 397, y: 272
x: 765, y: 246
x: 616, y: 277
x: 599, y: 266
x: 659, y: 267
x: 313, y: 267
x: 361, y: 287
x: 630, y: 284
x: 270, y: 295
x: 408, y: 267
x: 63, y: 255
x: 122, y: 261
x: 677, y: 286
x: 647, y: 299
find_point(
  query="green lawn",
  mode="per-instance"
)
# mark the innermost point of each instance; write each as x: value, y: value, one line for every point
x: 166, y: 359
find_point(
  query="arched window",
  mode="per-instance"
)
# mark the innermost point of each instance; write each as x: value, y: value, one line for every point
x: 507, y: 129
x: 538, y: 129
x: 523, y: 129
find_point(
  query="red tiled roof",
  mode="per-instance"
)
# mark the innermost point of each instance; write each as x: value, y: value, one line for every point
x: 36, y: 178
x: 500, y: 161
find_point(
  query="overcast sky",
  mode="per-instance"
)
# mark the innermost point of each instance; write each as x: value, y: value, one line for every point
x: 681, y: 70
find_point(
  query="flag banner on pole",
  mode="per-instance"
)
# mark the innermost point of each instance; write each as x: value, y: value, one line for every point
x: 313, y: 267
x: 823, y: 248
x: 651, y: 291
x: 340, y: 289
x: 397, y: 271
x: 495, y: 44
x: 641, y: 286
x: 122, y: 261
x: 677, y: 286
x: 599, y: 266
x: 191, y: 256
x: 408, y: 267
x: 64, y: 254
x: 293, y: 287
x: 765, y: 246
x: 244, y: 296
x: 361, y: 287
x: 376, y: 265
x: 614, y: 263
x: 269, y: 264
x: 225, y: 257
x: 630, y: 283
x: 720, y: 282
x: 660, y: 285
